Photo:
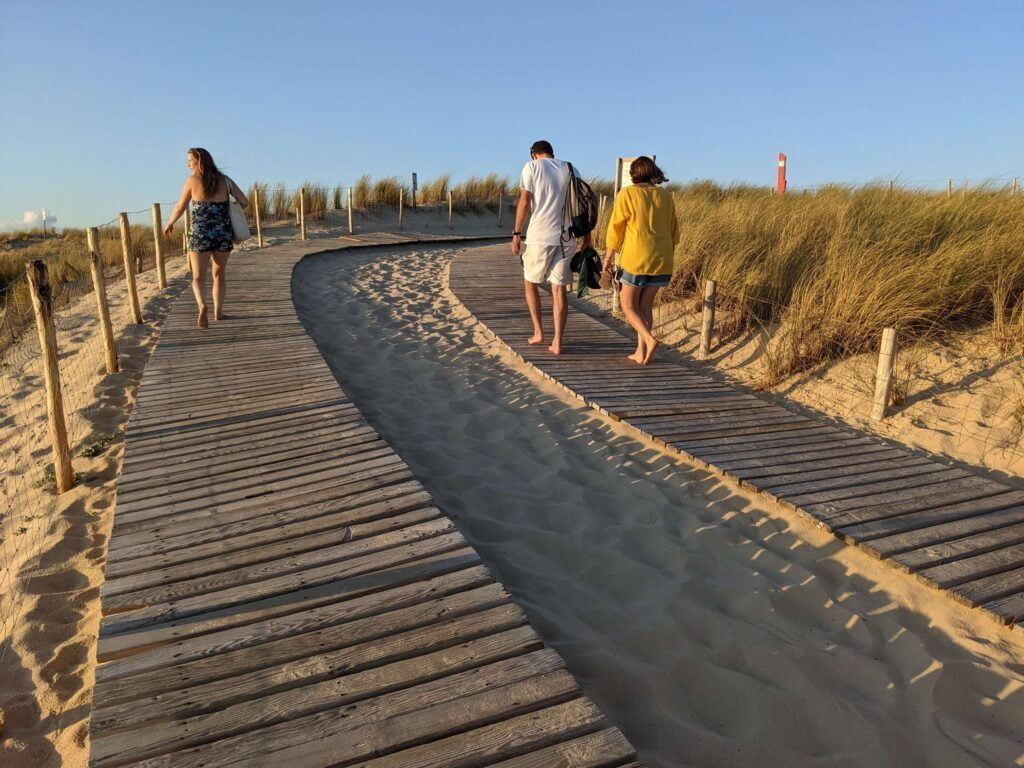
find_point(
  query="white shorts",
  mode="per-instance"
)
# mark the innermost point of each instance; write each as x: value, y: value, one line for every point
x: 548, y: 263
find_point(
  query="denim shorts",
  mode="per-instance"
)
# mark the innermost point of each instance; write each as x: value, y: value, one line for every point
x: 642, y: 281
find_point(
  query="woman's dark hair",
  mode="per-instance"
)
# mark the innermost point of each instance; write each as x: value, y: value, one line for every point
x: 644, y: 171
x: 209, y: 174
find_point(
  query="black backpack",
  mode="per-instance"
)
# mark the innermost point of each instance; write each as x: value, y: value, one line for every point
x: 581, y: 205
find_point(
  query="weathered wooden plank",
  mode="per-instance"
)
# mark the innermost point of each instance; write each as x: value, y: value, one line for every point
x: 854, y: 479
x: 300, y: 477
x: 121, y: 640
x: 979, y: 543
x: 895, y: 490
x: 314, y: 683
x: 183, y: 466
x: 268, y: 458
x: 395, y: 720
x: 976, y: 567
x: 299, y: 503
x: 601, y: 749
x: 797, y: 459
x: 990, y: 588
x: 863, y: 509
x: 934, y: 526
x: 1010, y: 608
x: 289, y: 583
x: 197, y: 577
x: 198, y: 659
x: 247, y: 545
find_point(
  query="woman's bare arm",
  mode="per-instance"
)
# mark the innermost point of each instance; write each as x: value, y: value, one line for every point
x: 179, y: 209
x: 236, y: 192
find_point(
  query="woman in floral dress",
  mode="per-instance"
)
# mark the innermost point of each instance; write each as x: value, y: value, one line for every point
x: 209, y: 238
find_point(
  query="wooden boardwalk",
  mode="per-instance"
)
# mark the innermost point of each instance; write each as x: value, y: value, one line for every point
x: 955, y: 529
x: 281, y: 591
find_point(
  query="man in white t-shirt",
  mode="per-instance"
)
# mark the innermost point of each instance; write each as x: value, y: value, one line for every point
x: 549, y: 249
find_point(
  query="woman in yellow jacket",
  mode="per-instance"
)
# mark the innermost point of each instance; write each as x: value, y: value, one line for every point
x: 644, y: 230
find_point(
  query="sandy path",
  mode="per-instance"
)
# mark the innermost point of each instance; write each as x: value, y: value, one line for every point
x: 712, y: 629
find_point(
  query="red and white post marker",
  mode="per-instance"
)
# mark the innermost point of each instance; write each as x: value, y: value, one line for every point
x: 780, y: 183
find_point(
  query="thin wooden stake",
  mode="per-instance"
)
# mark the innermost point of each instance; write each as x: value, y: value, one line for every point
x: 256, y: 213
x: 883, y: 374
x: 158, y: 247
x: 351, y: 229
x: 302, y: 213
x: 707, y: 327
x: 449, y: 209
x: 949, y: 187
x: 42, y: 304
x: 129, y: 268
x: 501, y: 205
x: 100, y: 287
x: 1013, y: 187
x: 891, y: 184
x: 401, y: 206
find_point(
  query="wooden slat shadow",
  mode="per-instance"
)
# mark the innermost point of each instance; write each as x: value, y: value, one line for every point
x: 280, y: 589
x: 955, y: 529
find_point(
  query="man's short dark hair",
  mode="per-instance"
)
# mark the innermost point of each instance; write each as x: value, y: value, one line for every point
x: 542, y: 148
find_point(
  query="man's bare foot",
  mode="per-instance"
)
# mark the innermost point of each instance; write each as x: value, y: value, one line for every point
x: 651, y: 346
x: 203, y: 322
x: 537, y: 338
x: 555, y: 348
x: 636, y: 357
x: 219, y: 316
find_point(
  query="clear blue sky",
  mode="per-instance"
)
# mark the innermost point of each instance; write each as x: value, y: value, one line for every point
x: 101, y: 99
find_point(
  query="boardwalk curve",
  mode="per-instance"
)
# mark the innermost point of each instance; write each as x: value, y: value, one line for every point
x: 280, y: 589
x: 956, y: 530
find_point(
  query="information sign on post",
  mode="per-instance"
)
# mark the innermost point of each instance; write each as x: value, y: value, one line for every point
x: 622, y: 172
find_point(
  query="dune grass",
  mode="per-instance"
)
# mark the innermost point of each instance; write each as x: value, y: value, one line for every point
x: 826, y: 271
x: 830, y: 270
x: 434, y: 191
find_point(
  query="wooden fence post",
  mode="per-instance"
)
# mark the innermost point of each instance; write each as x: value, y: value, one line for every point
x: 401, y: 205
x: 158, y: 247
x: 302, y: 213
x: 129, y: 268
x: 100, y: 287
x: 42, y: 304
x: 256, y: 213
x: 351, y: 229
x: 501, y: 205
x: 891, y: 185
x: 949, y: 187
x: 707, y: 327
x: 883, y: 374
x: 1013, y: 187
x: 449, y: 209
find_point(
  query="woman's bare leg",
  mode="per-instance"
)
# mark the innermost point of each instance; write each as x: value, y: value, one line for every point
x: 220, y: 266
x: 629, y: 297
x: 199, y: 263
x: 647, y: 296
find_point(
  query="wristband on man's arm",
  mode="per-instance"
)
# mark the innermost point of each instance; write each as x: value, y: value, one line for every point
x: 517, y: 234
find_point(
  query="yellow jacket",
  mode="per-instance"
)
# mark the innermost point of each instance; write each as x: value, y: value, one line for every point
x: 644, y: 230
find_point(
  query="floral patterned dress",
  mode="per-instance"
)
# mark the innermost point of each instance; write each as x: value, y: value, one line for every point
x: 211, y: 227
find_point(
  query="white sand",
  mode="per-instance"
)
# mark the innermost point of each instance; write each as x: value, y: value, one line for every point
x: 713, y: 629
